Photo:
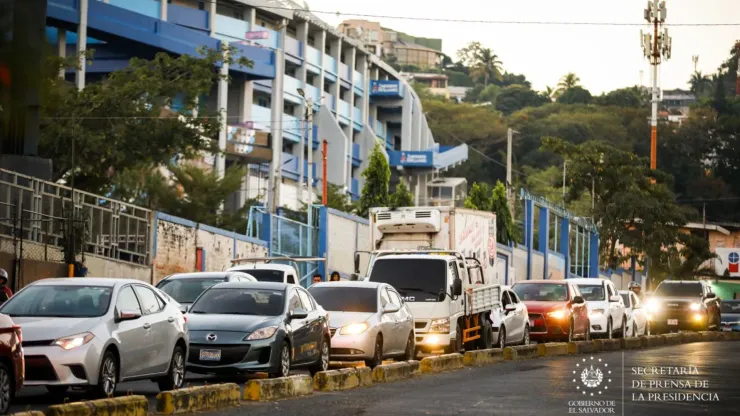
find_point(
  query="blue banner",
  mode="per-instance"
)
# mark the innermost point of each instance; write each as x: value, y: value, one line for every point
x: 385, y: 88
x: 419, y: 159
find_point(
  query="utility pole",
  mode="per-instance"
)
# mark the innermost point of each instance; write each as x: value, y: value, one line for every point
x: 655, y: 46
x: 309, y: 118
x: 737, y: 78
x: 565, y: 162
x: 509, y: 186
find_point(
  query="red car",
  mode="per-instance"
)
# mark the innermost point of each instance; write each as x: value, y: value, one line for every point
x: 12, y: 366
x: 557, y: 311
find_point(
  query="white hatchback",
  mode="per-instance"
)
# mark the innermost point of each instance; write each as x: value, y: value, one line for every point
x: 606, y: 311
x: 637, y: 320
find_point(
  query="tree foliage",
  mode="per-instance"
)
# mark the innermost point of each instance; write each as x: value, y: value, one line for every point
x: 401, y: 196
x: 377, y: 177
x: 484, y: 198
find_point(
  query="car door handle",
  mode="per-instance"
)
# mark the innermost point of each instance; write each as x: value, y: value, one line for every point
x: 171, y: 319
x: 147, y: 326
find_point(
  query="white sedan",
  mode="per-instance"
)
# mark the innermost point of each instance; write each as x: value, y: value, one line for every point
x: 605, y: 307
x: 511, y: 320
x: 637, y: 320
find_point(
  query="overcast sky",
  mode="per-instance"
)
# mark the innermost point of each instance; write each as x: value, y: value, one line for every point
x: 604, y: 57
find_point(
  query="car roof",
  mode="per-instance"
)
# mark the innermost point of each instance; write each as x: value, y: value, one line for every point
x: 85, y: 281
x: 587, y: 280
x: 683, y: 282
x: 357, y: 283
x: 255, y: 285
x: 560, y: 282
x: 416, y: 256
x: 201, y: 275
x: 264, y: 266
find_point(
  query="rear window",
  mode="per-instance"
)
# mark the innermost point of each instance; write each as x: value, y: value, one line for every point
x: 263, y: 275
x: 542, y: 292
x: 592, y: 292
x: 626, y: 299
x: 731, y: 307
x: 187, y: 290
x: 693, y: 290
x: 346, y: 299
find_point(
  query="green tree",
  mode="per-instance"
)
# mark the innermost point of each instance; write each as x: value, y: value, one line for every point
x: 483, y: 62
x: 516, y: 97
x: 699, y: 83
x: 401, y: 197
x: 377, y: 177
x: 479, y: 197
x: 506, y: 231
x: 623, y: 97
x: 575, y: 95
x: 568, y: 81
x: 126, y: 119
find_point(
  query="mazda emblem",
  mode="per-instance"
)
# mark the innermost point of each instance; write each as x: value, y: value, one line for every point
x: 211, y: 337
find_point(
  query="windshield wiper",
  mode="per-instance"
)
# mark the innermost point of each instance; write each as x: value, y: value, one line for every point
x: 416, y: 289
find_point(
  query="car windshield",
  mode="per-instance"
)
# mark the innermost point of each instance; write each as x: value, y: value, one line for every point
x: 543, y: 292
x: 592, y: 292
x: 625, y: 298
x: 417, y: 280
x: 731, y: 307
x: 187, y: 290
x: 233, y: 301
x: 693, y: 290
x: 264, y: 275
x: 346, y: 299
x: 62, y: 301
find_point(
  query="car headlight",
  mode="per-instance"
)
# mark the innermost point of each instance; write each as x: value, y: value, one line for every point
x: 558, y: 314
x: 695, y: 306
x: 653, y: 306
x: 74, y: 341
x: 354, y: 329
x: 440, y: 325
x: 596, y: 313
x: 262, y: 333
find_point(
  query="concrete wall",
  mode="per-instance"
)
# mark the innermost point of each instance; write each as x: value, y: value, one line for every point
x: 176, y: 241
x: 103, y: 267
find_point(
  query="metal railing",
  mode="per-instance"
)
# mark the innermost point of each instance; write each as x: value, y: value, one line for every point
x: 117, y: 230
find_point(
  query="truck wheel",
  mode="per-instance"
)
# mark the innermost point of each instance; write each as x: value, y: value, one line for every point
x: 458, y: 339
x: 486, y: 335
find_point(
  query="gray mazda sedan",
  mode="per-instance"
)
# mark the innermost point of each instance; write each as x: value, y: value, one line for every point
x: 244, y: 327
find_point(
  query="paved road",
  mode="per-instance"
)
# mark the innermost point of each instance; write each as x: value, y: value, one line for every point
x: 543, y: 387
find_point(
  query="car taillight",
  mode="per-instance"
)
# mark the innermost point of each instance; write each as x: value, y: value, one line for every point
x: 18, y: 332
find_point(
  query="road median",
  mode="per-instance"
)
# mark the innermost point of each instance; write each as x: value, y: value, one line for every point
x: 198, y: 399
x: 672, y: 339
x: 391, y: 372
x: 441, y: 363
x: 649, y: 341
x: 552, y: 349
x: 344, y: 379
x: 607, y: 344
x: 115, y: 406
x: 521, y: 352
x: 581, y: 347
x: 479, y: 358
x: 631, y: 343
x: 278, y: 388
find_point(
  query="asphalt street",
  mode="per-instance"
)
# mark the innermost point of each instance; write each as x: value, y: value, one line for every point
x: 550, y: 386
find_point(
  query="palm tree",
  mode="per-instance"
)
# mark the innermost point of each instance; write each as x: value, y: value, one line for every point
x: 486, y: 65
x: 699, y: 83
x: 568, y: 81
x: 549, y: 92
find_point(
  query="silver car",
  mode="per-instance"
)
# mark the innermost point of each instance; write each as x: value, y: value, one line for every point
x: 96, y: 332
x: 184, y: 288
x: 368, y: 321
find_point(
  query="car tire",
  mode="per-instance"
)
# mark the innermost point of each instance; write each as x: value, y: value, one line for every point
x: 571, y: 336
x: 609, y: 329
x: 176, y: 373
x: 377, y: 353
x: 634, y: 329
x: 623, y: 329
x: 525, y: 338
x: 283, y: 369
x: 107, y: 376
x: 501, y: 343
x: 322, y: 363
x: 587, y: 334
x: 7, y: 388
x: 486, y: 334
x: 410, y: 352
x: 57, y: 390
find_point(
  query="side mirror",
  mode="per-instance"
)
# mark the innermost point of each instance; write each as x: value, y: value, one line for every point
x: 357, y: 263
x: 711, y: 295
x: 298, y: 314
x: 578, y: 299
x: 128, y: 315
x: 510, y: 308
x: 457, y: 287
x: 391, y: 308
x: 184, y: 309
x: 615, y: 298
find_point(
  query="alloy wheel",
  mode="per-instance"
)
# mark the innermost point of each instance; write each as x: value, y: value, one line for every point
x: 526, y: 336
x: 324, y: 356
x: 109, y: 376
x: 284, y: 362
x: 178, y: 370
x: 609, y: 334
x: 5, y: 390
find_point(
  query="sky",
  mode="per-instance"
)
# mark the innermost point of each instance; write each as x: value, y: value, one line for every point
x: 604, y: 57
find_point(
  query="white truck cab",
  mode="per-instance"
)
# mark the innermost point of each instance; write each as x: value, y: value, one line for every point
x: 265, y: 269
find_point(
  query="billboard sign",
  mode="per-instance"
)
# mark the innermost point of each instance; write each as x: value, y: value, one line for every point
x: 385, y: 88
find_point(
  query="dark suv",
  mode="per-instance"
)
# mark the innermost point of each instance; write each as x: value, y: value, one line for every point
x: 684, y: 305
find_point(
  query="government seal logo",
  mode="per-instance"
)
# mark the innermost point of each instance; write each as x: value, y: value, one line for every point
x: 592, y: 375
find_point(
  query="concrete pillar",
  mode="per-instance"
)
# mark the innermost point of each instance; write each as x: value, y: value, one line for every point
x: 62, y: 48
x: 321, y: 45
x: 163, y: 10
x: 529, y: 233
x: 212, y: 18
x: 81, y: 45
x: 276, y: 123
x: 336, y: 53
x: 350, y: 138
x: 223, y: 100
x: 564, y: 246
x: 544, y: 237
x: 407, y: 112
x: 593, y: 255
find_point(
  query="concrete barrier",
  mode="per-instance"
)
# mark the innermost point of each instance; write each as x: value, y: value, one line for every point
x: 631, y: 343
x: 607, y: 344
x: 29, y: 413
x: 346, y: 364
x: 672, y: 339
x: 521, y: 352
x: 441, y: 363
x: 479, y: 358
x: 581, y: 347
x: 689, y: 337
x: 552, y: 349
x: 344, y: 379
x: 414, y: 366
x: 197, y: 399
x: 709, y: 336
x: 730, y: 336
x: 392, y: 372
x: 278, y: 388
x: 115, y: 406
x: 648, y: 341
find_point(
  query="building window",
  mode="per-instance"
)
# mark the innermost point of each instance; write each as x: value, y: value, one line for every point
x: 262, y: 102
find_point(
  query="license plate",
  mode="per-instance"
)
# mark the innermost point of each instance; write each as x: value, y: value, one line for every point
x: 727, y: 329
x: 673, y: 322
x: 210, y: 355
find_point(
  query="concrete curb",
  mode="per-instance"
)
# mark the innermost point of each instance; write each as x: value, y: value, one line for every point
x: 278, y: 388
x: 521, y: 352
x: 196, y: 399
x: 480, y: 358
x: 672, y: 339
x: 581, y: 347
x: 441, y: 363
x: 631, y: 343
x: 607, y: 344
x: 29, y: 413
x: 116, y: 406
x: 710, y: 336
x: 335, y: 365
x: 415, y: 366
x: 392, y: 372
x: 552, y: 349
x: 344, y: 379
x: 648, y: 341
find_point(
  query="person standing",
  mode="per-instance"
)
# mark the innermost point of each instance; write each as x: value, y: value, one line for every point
x: 5, y: 292
x: 317, y: 278
x: 334, y: 276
